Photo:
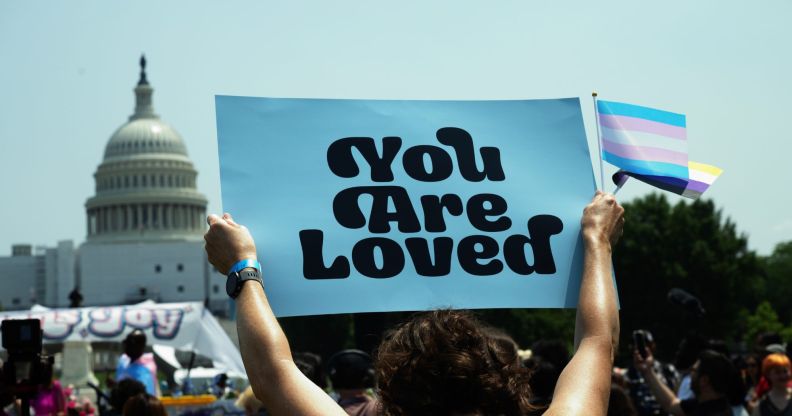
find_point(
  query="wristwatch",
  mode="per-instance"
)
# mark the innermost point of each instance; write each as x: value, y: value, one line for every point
x: 241, y: 272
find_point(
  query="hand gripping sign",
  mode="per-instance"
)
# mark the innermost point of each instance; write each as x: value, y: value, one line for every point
x: 367, y: 205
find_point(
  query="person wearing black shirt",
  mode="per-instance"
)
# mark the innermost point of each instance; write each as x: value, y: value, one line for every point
x: 711, y: 377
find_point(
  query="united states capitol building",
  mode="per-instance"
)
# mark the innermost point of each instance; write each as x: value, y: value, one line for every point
x: 145, y: 226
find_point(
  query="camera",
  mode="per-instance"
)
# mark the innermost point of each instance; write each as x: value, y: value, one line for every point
x: 27, y: 368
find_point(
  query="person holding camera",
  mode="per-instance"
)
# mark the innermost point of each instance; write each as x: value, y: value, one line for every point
x: 712, y: 379
x: 645, y: 402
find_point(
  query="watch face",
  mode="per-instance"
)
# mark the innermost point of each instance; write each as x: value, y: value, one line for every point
x: 231, y: 284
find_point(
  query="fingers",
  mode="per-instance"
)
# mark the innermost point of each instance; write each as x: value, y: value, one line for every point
x: 212, y: 219
x: 229, y: 219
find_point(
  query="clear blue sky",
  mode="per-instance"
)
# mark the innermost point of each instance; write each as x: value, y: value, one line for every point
x: 68, y: 69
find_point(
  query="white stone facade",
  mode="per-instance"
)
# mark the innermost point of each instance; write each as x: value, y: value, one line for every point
x: 144, y: 234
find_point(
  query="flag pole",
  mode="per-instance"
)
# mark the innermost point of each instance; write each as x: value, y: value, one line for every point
x: 599, y: 141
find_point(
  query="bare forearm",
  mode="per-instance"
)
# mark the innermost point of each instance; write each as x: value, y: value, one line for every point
x: 263, y: 344
x: 597, y: 315
x: 665, y: 397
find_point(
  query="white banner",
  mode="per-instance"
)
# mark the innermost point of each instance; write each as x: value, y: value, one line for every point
x: 184, y: 326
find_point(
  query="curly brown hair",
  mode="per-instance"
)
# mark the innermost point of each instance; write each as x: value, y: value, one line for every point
x: 443, y: 362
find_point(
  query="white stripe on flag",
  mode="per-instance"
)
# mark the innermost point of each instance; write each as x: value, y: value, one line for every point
x: 637, y: 138
x: 700, y: 176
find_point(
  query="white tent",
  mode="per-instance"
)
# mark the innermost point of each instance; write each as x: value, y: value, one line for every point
x: 183, y: 326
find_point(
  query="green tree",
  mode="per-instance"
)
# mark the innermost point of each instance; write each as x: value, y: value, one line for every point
x: 764, y: 319
x: 688, y: 246
x: 777, y: 288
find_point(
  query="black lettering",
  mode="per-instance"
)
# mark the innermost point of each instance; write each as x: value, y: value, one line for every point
x: 413, y: 160
x: 347, y: 210
x: 421, y: 258
x: 462, y: 143
x: 469, y: 256
x: 342, y: 163
x: 540, y: 228
x: 313, y: 259
x: 477, y: 213
x: 433, y: 205
x: 392, y: 257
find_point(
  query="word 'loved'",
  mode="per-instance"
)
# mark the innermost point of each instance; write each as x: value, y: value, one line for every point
x: 486, y: 212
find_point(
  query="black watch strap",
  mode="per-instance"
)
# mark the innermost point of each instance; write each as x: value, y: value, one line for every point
x: 237, y: 279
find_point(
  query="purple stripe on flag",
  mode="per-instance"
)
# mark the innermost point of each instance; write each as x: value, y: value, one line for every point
x: 697, y: 186
x: 645, y: 153
x: 681, y: 185
x: 639, y: 124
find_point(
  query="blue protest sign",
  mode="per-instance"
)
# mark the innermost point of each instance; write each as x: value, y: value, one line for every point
x: 374, y: 205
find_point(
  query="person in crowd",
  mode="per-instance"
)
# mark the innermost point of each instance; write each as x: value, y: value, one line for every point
x: 686, y: 355
x: 352, y: 375
x: 50, y: 399
x: 712, y: 379
x: 620, y: 403
x: 122, y: 391
x: 136, y: 364
x: 420, y: 370
x: 751, y: 373
x: 776, y: 369
x: 144, y: 405
x: 548, y: 358
x: 645, y: 402
x: 248, y: 402
x: 311, y: 365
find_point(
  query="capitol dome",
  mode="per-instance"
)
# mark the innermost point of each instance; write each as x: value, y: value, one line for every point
x: 145, y: 185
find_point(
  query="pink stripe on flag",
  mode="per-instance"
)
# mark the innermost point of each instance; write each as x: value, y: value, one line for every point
x: 639, y: 124
x: 651, y: 154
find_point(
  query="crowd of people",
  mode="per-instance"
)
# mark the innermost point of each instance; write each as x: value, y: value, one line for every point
x: 448, y: 362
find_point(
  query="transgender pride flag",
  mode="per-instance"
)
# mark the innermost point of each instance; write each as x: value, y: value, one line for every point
x: 643, y: 140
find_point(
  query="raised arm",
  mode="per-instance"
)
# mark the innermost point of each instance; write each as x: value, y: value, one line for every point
x: 584, y: 385
x: 665, y: 397
x: 275, y: 379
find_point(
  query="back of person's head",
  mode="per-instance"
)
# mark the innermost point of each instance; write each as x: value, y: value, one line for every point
x: 502, y: 344
x: 688, y: 351
x: 620, y: 403
x: 123, y: 390
x: 135, y: 344
x: 766, y: 338
x: 553, y: 350
x: 543, y: 378
x: 310, y: 364
x: 718, y: 345
x: 351, y: 370
x: 720, y: 372
x: 144, y: 405
x: 442, y: 363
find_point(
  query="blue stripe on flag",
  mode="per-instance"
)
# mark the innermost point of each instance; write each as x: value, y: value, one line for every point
x: 646, y: 113
x: 647, y: 168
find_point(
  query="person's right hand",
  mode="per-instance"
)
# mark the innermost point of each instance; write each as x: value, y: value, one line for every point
x: 643, y: 364
x: 603, y: 219
x: 227, y: 242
